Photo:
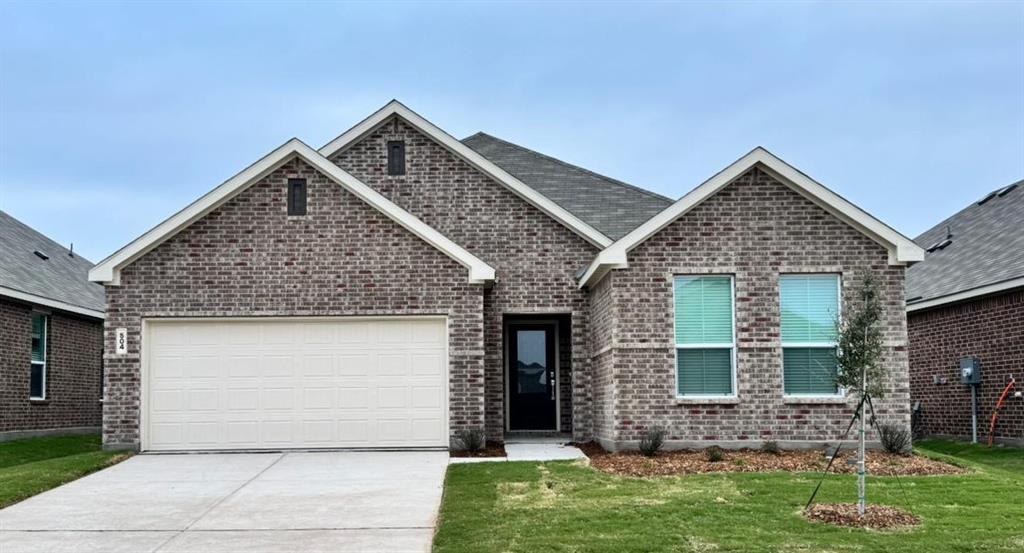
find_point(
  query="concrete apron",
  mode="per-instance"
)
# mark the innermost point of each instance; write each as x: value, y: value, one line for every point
x: 253, y: 502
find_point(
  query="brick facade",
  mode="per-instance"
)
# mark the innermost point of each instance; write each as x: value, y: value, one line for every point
x: 73, y: 368
x: 534, y: 256
x: 991, y: 329
x: 754, y: 229
x: 248, y: 258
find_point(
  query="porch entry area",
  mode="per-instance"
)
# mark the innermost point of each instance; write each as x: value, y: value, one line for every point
x: 538, y: 374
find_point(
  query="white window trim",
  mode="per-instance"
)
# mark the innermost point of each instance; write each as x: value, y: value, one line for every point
x: 710, y: 345
x: 840, y: 391
x: 46, y: 344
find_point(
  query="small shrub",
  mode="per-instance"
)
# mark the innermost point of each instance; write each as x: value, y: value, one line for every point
x: 714, y: 454
x: 895, y: 439
x: 739, y: 462
x: 772, y: 447
x: 471, y: 439
x: 652, y: 440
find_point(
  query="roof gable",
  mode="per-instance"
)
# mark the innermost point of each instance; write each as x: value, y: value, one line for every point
x: 473, y: 158
x: 902, y: 250
x: 609, y: 205
x: 59, y: 281
x: 108, y: 270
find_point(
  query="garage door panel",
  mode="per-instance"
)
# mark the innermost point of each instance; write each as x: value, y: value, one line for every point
x: 282, y: 383
x: 354, y: 364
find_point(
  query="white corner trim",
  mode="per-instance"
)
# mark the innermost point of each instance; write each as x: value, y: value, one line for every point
x: 902, y: 250
x: 967, y: 294
x: 481, y: 163
x: 108, y: 270
x: 55, y: 304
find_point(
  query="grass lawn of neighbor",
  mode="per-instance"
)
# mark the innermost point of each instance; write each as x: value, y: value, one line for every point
x: 34, y: 465
x: 568, y: 506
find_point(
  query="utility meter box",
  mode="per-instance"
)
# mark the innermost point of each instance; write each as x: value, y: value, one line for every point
x: 970, y: 370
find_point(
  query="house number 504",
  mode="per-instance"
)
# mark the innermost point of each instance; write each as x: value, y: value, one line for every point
x: 121, y: 346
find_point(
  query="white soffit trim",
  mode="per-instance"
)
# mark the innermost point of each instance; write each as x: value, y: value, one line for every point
x: 902, y: 250
x: 47, y: 302
x: 481, y: 163
x: 967, y: 294
x: 108, y: 270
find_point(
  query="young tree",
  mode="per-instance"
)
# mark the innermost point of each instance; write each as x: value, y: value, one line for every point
x: 859, y: 356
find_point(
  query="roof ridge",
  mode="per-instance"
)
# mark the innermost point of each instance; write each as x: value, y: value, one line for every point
x: 62, y: 250
x: 577, y: 167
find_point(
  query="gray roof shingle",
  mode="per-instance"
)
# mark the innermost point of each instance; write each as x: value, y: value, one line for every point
x: 61, y: 277
x: 611, y: 206
x: 987, y: 248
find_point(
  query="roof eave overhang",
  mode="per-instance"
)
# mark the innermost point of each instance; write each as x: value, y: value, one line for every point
x: 108, y: 271
x: 901, y: 250
x: 966, y: 295
x: 50, y: 302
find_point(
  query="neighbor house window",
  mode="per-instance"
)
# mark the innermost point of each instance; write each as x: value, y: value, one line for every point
x: 296, y: 196
x: 37, y: 374
x: 705, y: 337
x: 810, y: 310
x: 396, y: 157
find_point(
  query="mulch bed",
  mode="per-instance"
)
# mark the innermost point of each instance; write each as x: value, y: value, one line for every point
x: 876, y: 517
x: 666, y: 463
x: 493, y: 449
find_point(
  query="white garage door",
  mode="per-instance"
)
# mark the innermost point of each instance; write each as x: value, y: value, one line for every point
x: 295, y: 384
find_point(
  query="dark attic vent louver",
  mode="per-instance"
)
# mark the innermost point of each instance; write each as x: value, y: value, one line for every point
x: 941, y: 244
x: 41, y: 255
x: 1006, y: 190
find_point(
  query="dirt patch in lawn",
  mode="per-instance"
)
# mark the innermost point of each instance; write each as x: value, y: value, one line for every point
x: 493, y: 449
x: 876, y: 517
x: 631, y: 463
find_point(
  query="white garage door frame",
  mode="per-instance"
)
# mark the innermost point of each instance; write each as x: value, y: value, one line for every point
x: 144, y: 379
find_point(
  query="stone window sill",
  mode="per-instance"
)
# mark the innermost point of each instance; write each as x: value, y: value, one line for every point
x: 38, y: 401
x: 707, y: 400
x: 814, y: 400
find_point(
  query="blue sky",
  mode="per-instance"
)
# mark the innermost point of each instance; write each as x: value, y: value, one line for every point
x: 114, y: 116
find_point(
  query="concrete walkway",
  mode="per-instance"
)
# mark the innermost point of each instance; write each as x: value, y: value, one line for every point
x: 546, y: 450
x: 308, y: 502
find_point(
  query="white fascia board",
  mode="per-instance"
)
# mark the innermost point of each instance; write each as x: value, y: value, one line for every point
x: 902, y: 250
x: 517, y: 187
x: 108, y: 270
x: 967, y: 294
x: 52, y: 303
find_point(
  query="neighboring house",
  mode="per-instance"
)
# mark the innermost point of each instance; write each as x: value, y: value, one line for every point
x: 51, y: 336
x: 398, y: 285
x: 966, y: 299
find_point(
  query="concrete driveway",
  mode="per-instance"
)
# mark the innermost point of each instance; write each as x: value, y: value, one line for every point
x: 303, y: 501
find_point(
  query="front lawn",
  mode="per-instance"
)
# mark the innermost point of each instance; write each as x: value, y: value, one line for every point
x: 34, y: 465
x: 563, y: 506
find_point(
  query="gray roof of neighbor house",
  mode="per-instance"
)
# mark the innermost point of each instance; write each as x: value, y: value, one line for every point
x: 61, y: 277
x: 612, y: 207
x: 986, y: 247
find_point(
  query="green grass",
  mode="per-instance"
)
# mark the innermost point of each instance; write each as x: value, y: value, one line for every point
x: 563, y: 506
x: 34, y: 465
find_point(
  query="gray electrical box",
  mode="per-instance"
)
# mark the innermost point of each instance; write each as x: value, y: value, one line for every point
x: 970, y: 370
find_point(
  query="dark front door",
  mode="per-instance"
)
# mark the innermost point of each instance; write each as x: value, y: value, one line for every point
x: 531, y: 376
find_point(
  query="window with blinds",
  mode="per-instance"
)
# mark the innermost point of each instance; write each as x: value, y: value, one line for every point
x: 37, y: 371
x: 705, y: 336
x: 810, y: 311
